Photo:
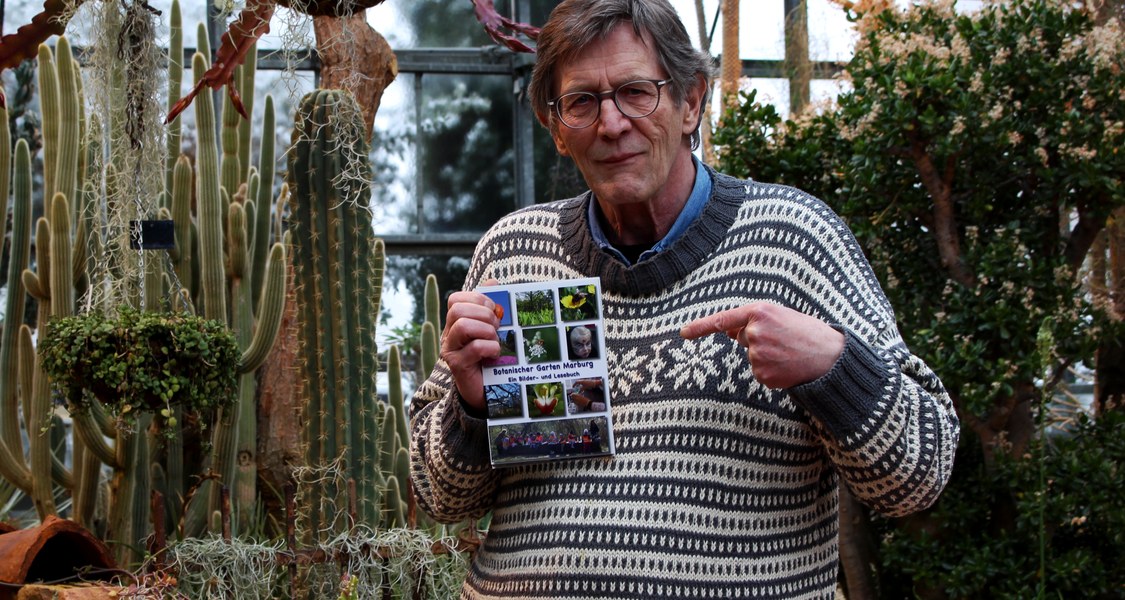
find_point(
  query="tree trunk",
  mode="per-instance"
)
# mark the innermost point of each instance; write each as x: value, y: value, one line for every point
x: 797, y: 65
x: 705, y: 144
x: 731, y: 68
x: 1109, y: 9
x: 1109, y: 381
x: 939, y: 184
x: 279, y: 415
x: 356, y: 58
x: 857, y: 548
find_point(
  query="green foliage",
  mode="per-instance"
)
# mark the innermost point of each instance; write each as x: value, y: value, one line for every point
x: 142, y: 362
x: 976, y: 158
x: 1018, y: 110
x: 535, y: 307
x: 408, y: 339
x: 1083, y: 514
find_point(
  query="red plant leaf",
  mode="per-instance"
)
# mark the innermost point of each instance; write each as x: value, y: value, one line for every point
x: 24, y: 43
x: 252, y: 23
x: 494, y: 22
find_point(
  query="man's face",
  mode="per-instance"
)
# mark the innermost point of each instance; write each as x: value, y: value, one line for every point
x: 625, y: 160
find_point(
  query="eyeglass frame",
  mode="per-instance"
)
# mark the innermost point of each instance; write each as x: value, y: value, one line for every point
x: 601, y: 96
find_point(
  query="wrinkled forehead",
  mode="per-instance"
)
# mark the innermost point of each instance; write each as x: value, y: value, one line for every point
x: 596, y: 41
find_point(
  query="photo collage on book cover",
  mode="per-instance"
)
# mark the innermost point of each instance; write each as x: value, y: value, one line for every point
x: 547, y: 392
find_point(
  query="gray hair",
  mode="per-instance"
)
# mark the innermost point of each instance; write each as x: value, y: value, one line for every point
x: 575, y: 24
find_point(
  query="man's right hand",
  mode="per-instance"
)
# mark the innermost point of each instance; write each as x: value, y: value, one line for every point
x: 470, y: 338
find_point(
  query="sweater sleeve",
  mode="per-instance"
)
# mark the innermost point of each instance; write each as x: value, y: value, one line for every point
x: 449, y: 463
x: 888, y: 424
x: 450, y: 469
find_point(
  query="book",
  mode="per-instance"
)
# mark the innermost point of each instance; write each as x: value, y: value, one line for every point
x: 548, y: 393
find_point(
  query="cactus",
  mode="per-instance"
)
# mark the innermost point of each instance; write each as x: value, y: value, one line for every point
x: 338, y: 266
x: 12, y: 465
x: 234, y: 437
x: 175, y: 81
x: 429, y: 332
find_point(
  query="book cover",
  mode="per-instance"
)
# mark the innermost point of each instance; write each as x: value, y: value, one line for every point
x: 548, y: 391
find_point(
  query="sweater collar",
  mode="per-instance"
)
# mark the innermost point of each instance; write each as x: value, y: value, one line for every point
x: 664, y: 269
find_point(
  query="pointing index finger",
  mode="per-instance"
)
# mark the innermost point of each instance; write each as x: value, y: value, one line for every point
x: 726, y: 321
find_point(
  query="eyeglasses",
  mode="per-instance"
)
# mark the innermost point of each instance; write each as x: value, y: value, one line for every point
x: 636, y: 100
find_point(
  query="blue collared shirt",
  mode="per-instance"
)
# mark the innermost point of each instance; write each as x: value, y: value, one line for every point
x: 700, y: 192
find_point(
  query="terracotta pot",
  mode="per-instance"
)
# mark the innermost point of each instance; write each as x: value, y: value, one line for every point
x: 54, y: 550
x: 328, y: 8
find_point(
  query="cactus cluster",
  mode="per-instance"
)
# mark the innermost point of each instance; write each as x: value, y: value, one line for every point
x: 224, y: 267
x: 229, y: 266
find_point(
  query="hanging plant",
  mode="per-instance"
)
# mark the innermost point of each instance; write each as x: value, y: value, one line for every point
x: 140, y: 361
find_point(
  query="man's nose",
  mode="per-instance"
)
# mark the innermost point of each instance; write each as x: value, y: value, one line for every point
x: 611, y: 121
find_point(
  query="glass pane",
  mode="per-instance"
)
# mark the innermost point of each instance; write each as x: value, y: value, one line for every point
x: 556, y: 176
x: 393, y: 203
x: 761, y: 31
x: 827, y: 89
x: 831, y: 36
x: 467, y: 170
x: 770, y: 91
x: 403, y: 288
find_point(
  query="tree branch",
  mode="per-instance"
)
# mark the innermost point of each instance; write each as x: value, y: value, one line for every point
x: 1083, y: 235
x: 945, y: 222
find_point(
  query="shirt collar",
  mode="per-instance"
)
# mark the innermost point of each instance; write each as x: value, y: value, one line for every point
x: 700, y: 192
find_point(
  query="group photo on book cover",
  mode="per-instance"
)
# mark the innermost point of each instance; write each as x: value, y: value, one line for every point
x: 548, y: 392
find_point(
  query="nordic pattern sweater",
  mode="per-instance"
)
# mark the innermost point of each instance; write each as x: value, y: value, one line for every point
x: 721, y: 487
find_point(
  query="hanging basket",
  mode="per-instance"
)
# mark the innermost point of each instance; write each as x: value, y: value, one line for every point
x: 142, y: 361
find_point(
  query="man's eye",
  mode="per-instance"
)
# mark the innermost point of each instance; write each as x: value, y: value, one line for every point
x: 578, y: 101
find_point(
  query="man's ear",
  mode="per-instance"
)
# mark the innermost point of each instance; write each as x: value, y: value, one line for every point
x: 560, y: 145
x: 693, y: 115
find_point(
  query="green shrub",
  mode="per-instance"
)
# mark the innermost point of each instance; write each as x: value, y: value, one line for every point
x: 976, y: 158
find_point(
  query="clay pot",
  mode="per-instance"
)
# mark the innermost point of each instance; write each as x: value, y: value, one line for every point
x: 328, y: 8
x: 54, y: 550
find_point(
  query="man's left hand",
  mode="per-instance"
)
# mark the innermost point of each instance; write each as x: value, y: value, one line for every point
x: 785, y: 347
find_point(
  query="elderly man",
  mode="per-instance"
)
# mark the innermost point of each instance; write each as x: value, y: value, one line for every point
x: 755, y: 362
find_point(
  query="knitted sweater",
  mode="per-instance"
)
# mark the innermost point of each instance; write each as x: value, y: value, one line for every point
x: 721, y: 487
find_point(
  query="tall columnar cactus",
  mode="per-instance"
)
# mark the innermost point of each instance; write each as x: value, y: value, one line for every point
x: 172, y: 133
x: 431, y: 327
x: 338, y: 268
x: 227, y: 238
x: 53, y: 285
x: 12, y: 465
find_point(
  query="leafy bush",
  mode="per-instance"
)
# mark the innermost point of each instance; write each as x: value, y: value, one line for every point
x: 982, y: 552
x: 142, y: 361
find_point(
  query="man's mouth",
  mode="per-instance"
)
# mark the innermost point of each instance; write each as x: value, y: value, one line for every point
x: 617, y: 158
